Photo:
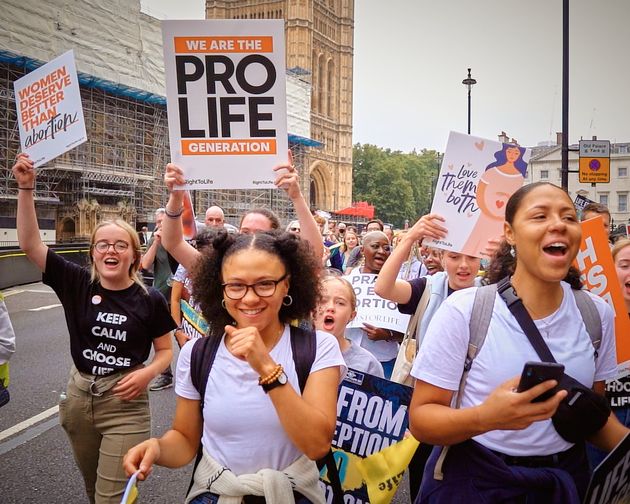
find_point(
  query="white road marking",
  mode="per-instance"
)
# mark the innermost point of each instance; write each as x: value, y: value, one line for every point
x: 6, y: 294
x: 48, y: 307
x: 11, y: 431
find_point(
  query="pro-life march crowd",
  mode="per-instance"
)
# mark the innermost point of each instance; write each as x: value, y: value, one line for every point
x: 264, y: 345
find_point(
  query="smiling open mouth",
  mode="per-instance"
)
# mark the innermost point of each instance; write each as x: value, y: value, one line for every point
x: 556, y: 249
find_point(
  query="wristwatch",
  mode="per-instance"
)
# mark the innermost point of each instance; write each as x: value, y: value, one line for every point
x: 281, y: 380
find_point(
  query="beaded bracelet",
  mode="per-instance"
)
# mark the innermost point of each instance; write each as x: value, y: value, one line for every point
x: 270, y: 378
x: 174, y: 215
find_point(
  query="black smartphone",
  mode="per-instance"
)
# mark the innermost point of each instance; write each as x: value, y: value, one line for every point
x: 538, y: 372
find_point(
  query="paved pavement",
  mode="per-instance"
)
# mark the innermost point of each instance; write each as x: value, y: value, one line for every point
x: 37, y: 463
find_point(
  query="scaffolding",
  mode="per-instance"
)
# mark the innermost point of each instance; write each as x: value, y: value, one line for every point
x: 118, y: 172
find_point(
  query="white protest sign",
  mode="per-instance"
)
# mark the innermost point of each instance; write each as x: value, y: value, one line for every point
x: 226, y: 101
x: 49, y: 111
x: 477, y: 178
x: 373, y: 309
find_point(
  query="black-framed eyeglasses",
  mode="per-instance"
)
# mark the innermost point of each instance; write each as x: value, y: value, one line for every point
x: 102, y: 246
x: 264, y: 288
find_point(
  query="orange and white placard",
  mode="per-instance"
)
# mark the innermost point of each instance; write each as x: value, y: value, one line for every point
x: 595, y: 262
x: 49, y: 112
x: 226, y: 101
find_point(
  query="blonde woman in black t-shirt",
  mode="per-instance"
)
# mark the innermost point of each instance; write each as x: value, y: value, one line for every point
x: 113, y: 321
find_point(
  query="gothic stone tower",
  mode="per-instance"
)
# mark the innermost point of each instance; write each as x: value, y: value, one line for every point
x: 319, y: 39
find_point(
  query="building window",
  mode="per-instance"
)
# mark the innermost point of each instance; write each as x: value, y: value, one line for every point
x: 623, y: 202
x: 603, y: 199
x: 330, y: 92
x: 544, y: 174
x: 622, y: 171
x: 321, y: 84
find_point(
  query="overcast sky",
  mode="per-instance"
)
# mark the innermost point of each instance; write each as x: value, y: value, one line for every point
x: 410, y: 57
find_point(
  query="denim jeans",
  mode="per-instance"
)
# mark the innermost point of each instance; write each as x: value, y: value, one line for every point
x: 388, y: 367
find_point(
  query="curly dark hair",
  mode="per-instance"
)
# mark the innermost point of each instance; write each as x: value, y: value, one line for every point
x: 300, y: 263
x: 503, y: 264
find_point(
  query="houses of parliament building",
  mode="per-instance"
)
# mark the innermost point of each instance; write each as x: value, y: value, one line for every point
x: 319, y: 45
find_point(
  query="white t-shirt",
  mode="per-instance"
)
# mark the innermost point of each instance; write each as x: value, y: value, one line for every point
x: 241, y: 429
x: 360, y: 359
x: 441, y: 357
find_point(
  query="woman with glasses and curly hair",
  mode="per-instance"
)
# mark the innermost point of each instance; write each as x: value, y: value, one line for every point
x: 259, y: 432
x: 113, y: 321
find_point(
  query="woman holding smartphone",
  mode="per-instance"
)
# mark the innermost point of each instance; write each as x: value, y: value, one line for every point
x: 503, y: 446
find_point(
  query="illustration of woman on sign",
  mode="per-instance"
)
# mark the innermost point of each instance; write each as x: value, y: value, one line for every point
x: 500, y: 180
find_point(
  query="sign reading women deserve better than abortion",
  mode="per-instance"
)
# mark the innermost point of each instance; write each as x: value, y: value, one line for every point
x: 226, y: 101
x: 50, y: 116
x: 476, y: 179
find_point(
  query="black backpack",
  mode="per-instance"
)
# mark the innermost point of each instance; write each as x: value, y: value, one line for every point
x: 303, y: 348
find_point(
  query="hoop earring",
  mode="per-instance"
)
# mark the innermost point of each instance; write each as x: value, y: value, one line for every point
x: 287, y: 300
x: 223, y: 304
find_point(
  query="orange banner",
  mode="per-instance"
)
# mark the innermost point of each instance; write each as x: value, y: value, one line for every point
x: 208, y: 45
x: 595, y: 262
x: 228, y: 147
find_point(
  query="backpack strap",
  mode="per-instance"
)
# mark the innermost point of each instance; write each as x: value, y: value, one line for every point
x: 480, y: 316
x: 412, y: 328
x: 202, y: 356
x: 304, y: 349
x: 591, y: 318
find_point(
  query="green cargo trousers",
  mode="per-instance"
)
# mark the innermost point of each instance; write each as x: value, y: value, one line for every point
x: 101, y: 428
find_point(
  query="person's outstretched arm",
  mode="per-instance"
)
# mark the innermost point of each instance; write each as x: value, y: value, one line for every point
x: 176, y: 448
x: 289, y: 180
x: 388, y: 285
x: 172, y: 232
x: 27, y: 226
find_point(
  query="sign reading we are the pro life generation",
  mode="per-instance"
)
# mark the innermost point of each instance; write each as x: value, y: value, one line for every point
x: 226, y: 101
x: 476, y: 179
x: 49, y: 111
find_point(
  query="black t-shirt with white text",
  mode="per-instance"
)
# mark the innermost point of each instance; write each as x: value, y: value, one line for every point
x: 109, y: 330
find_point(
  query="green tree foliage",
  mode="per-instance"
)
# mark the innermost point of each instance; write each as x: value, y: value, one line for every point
x: 398, y: 184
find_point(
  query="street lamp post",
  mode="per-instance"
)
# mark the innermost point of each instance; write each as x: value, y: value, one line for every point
x: 469, y: 82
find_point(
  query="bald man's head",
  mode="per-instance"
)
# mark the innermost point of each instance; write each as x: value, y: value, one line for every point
x: 214, y: 217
